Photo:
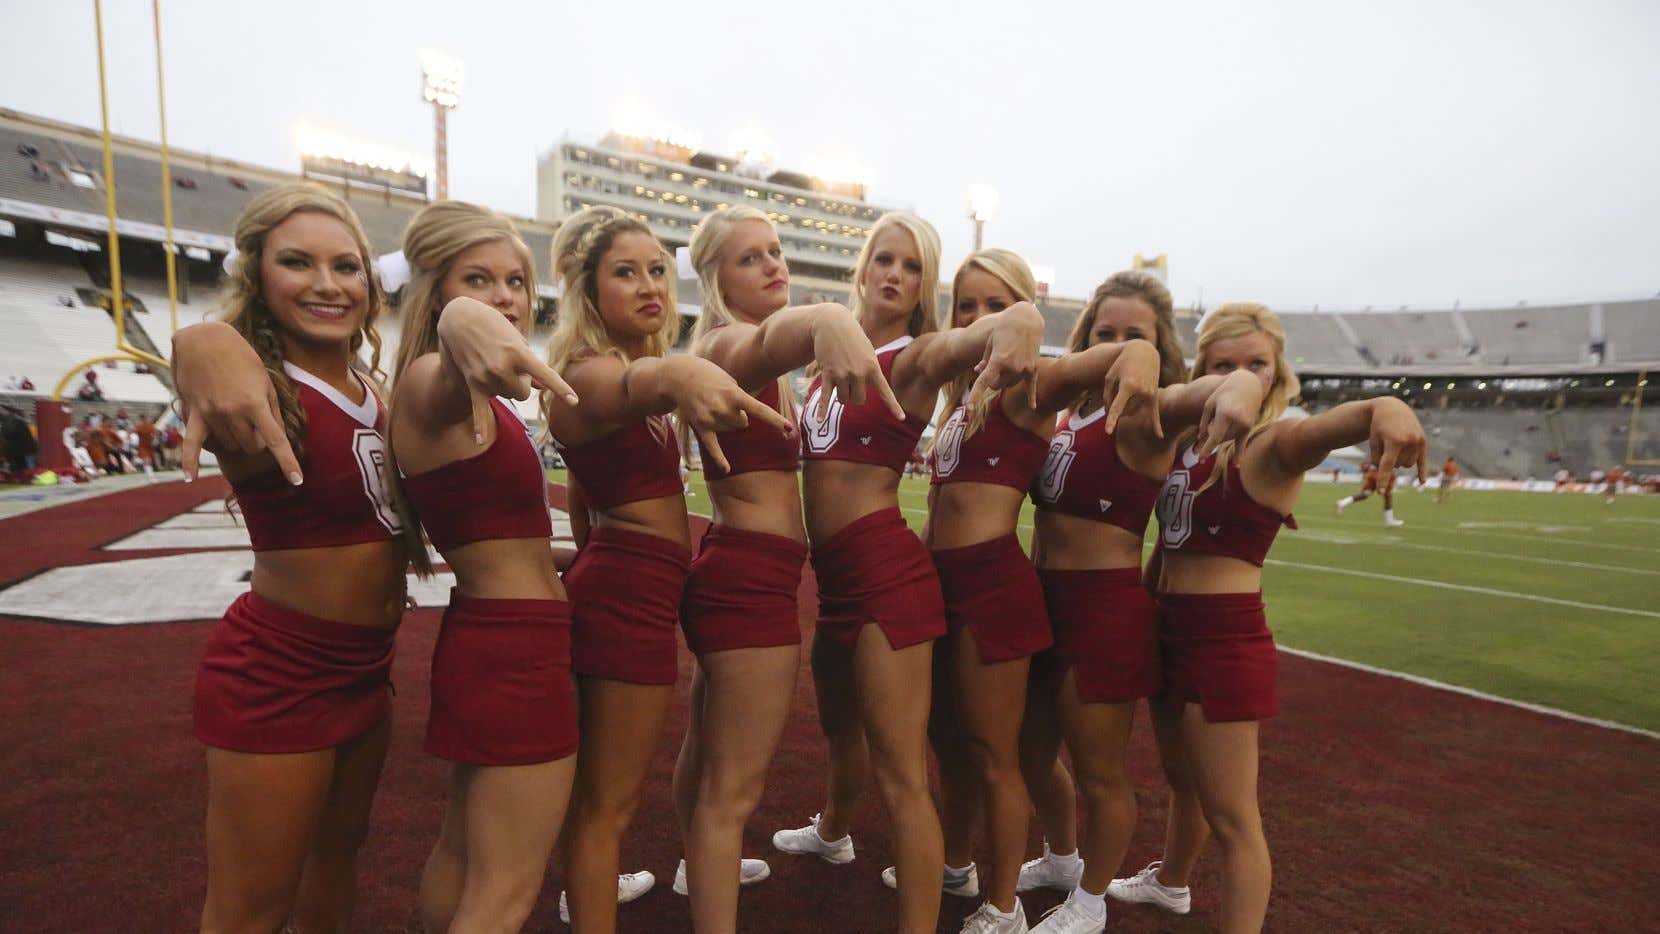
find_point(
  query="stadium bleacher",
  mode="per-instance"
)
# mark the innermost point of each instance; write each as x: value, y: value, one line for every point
x: 41, y: 161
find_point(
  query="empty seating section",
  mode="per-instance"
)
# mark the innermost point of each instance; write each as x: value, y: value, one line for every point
x: 1632, y: 331
x: 1506, y: 442
x: 41, y: 338
x: 1408, y: 338
x: 1547, y: 334
x: 1315, y: 338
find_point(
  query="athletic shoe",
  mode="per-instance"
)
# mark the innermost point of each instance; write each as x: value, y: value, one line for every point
x: 1069, y: 918
x: 988, y: 920
x: 1392, y: 523
x: 630, y: 885
x: 806, y: 841
x: 750, y: 871
x: 1050, y: 872
x: 1340, y: 505
x: 1145, y: 886
x: 964, y: 884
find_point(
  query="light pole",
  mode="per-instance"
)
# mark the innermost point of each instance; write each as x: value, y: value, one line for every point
x: 982, y: 207
x: 441, y: 77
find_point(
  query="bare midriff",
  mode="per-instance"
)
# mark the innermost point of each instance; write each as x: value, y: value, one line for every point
x: 838, y: 493
x: 664, y: 517
x: 760, y: 501
x: 964, y: 514
x: 1208, y: 574
x: 1071, y: 543
x: 361, y: 585
x: 506, y: 569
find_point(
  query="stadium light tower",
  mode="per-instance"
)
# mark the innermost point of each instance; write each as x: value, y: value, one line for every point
x: 441, y: 77
x: 982, y: 207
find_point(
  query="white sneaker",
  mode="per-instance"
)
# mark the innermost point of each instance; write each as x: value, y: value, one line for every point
x: 1050, y: 872
x: 1070, y: 918
x: 750, y: 871
x: 1392, y: 523
x: 1144, y: 886
x: 966, y: 885
x: 1340, y: 506
x: 630, y: 885
x: 988, y: 920
x: 806, y: 841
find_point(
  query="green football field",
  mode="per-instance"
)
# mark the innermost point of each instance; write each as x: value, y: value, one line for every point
x: 1552, y: 599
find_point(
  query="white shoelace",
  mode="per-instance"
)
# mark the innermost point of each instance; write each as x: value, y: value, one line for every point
x: 985, y: 920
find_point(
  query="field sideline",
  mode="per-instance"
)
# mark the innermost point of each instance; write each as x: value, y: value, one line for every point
x: 1539, y: 598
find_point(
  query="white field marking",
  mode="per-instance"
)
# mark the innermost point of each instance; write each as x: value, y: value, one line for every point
x: 1488, y: 591
x: 1471, y: 692
x: 1633, y: 519
x: 1555, y: 540
x: 1547, y: 527
x: 1394, y: 542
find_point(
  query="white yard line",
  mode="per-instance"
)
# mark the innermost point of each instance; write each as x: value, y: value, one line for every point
x: 1588, y: 565
x: 1470, y: 692
x: 1489, y: 591
x: 1555, y: 540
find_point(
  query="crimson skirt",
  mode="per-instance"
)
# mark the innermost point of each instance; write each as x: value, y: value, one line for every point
x: 742, y: 591
x: 502, y: 692
x: 625, y: 589
x: 275, y: 680
x: 1106, y: 631
x: 992, y: 590
x: 1217, y: 652
x: 877, y: 571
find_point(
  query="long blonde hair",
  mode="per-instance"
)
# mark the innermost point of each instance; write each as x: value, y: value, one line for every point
x: 1138, y: 285
x: 242, y: 300
x: 436, y: 235
x: 1241, y: 319
x: 580, y: 330
x: 242, y: 304
x: 1013, y: 271
x: 708, y: 240
x: 923, y: 320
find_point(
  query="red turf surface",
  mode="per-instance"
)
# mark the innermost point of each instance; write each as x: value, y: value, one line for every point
x: 1389, y: 807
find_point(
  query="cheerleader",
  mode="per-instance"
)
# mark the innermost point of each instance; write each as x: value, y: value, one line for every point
x: 617, y: 321
x: 880, y: 605
x: 292, y: 697
x: 503, y: 702
x: 1219, y: 512
x: 740, y: 615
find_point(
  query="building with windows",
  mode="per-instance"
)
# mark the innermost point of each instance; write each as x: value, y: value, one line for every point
x: 822, y: 223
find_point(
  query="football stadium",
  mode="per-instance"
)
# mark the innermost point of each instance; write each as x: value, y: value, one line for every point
x: 1468, y: 727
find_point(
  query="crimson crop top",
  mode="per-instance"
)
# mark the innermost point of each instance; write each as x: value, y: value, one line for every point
x: 1083, y: 476
x: 499, y: 492
x: 756, y: 446
x: 344, y: 500
x: 864, y: 434
x: 1001, y: 452
x: 637, y: 461
x: 1222, y: 520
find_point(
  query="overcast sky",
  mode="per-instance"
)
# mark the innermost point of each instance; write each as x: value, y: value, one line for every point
x: 1332, y: 153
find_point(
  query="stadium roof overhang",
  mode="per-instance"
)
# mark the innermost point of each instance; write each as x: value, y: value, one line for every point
x: 98, y: 223
x: 1514, y: 371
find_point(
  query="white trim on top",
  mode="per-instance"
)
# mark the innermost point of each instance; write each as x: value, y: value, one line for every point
x: 365, y: 413
x: 895, y: 344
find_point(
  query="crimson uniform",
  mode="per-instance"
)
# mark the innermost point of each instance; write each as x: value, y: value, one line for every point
x: 501, y: 672
x: 1105, y: 622
x: 875, y: 570
x: 1217, y: 649
x: 625, y: 586
x: 991, y: 587
x: 742, y: 589
x: 275, y: 680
